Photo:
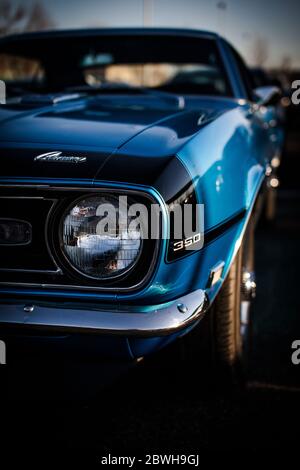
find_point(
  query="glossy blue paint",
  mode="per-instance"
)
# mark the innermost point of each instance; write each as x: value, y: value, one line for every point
x: 221, y: 145
x: 225, y: 176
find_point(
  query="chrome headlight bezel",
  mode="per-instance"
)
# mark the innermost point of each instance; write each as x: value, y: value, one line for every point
x: 110, y: 278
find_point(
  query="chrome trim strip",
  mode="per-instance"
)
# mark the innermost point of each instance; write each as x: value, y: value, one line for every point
x: 30, y: 271
x: 22, y: 197
x: 46, y: 233
x: 24, y: 186
x: 150, y: 321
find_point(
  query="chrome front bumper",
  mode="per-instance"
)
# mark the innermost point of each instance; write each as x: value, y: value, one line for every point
x: 148, y: 321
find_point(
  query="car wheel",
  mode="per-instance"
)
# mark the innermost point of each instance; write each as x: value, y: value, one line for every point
x: 231, y: 325
x: 220, y: 344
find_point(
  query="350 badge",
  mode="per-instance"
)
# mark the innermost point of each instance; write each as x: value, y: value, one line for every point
x: 187, y: 243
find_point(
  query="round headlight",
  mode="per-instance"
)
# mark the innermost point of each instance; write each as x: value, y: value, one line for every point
x: 97, y: 239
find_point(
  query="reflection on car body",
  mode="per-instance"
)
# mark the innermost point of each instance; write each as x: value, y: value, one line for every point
x: 161, y: 116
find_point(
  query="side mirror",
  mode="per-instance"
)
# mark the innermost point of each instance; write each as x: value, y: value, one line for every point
x: 267, y: 95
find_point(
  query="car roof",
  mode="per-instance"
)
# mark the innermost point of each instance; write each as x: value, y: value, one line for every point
x: 106, y: 32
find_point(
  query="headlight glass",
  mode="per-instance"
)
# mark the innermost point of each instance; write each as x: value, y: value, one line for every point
x: 97, y: 239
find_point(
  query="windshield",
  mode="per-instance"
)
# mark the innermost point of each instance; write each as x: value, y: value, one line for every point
x: 176, y: 64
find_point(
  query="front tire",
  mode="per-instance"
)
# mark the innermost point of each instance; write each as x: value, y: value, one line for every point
x: 222, y: 339
x: 231, y: 325
x: 226, y: 338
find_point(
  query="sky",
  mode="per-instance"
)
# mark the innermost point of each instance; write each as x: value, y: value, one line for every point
x: 275, y: 23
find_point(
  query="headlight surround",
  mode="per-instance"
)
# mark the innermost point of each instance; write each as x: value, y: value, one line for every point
x: 92, y: 251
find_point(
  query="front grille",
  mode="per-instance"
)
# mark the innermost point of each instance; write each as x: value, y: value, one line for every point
x: 35, y: 256
x: 41, y: 263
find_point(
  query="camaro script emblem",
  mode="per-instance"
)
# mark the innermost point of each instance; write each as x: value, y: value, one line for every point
x: 58, y: 158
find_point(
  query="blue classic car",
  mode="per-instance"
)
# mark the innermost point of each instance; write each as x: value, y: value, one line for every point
x: 109, y: 124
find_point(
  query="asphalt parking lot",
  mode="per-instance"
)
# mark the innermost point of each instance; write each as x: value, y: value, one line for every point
x: 161, y: 410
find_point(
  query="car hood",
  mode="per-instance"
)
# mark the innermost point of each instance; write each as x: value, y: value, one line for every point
x: 94, y: 128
